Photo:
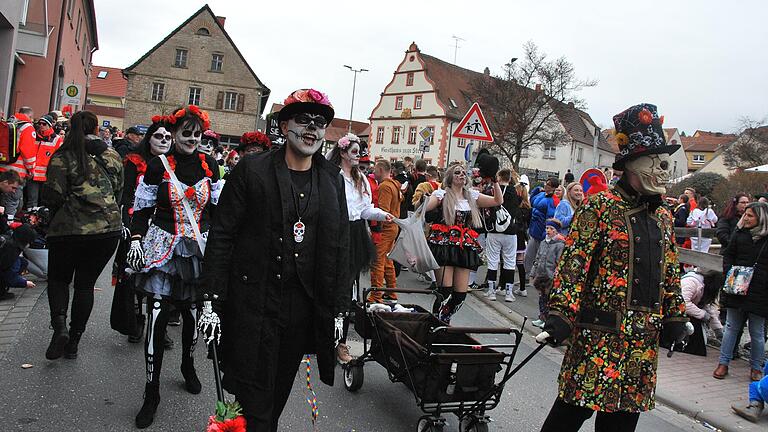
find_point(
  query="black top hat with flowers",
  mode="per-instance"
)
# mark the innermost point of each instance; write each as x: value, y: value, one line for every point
x: 309, y: 101
x: 639, y: 132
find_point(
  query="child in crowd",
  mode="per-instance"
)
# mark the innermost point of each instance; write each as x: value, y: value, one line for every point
x: 543, y: 271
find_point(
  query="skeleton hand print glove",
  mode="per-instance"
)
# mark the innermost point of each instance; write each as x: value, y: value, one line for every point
x: 338, y: 330
x: 210, y: 323
x: 135, y: 257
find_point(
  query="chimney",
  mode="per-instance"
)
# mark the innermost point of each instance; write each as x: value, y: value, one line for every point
x: 221, y: 20
x: 538, y: 87
x: 487, y: 71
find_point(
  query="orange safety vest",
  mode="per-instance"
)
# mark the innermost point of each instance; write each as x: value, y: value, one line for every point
x: 45, y: 149
x: 25, y: 164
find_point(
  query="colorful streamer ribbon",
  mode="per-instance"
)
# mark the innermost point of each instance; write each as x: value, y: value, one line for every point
x: 311, y: 396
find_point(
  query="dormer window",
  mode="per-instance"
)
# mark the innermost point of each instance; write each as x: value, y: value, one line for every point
x: 102, y: 74
x: 202, y: 31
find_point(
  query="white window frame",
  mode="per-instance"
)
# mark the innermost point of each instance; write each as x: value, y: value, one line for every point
x: 412, y: 131
x: 182, y: 55
x: 217, y: 62
x: 158, y: 92
x: 418, y: 100
x: 195, y: 93
x: 230, y: 101
x: 380, y: 135
x: 550, y: 152
x: 396, y: 134
x: 398, y: 103
x: 579, y: 154
x: 699, y: 159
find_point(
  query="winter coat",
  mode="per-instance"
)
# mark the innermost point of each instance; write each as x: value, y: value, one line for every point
x: 725, y: 229
x: 564, y: 213
x: 88, y: 207
x: 548, y: 256
x: 542, y: 208
x: 244, y: 261
x: 616, y: 284
x: 692, y: 288
x: 743, y: 251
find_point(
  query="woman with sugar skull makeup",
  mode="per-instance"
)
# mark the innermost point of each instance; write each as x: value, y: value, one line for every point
x: 157, y: 140
x: 346, y: 154
x: 167, y: 245
x: 616, y: 291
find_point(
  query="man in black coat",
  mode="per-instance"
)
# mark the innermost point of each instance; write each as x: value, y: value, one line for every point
x: 276, y: 263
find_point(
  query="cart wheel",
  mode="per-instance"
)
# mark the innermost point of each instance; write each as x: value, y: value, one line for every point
x: 429, y: 424
x: 473, y: 424
x: 353, y: 376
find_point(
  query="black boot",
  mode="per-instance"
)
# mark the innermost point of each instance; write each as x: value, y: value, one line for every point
x: 60, y: 337
x: 70, y: 350
x: 191, y: 382
x: 146, y: 414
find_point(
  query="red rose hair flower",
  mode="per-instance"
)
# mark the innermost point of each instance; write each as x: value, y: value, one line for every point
x: 256, y: 138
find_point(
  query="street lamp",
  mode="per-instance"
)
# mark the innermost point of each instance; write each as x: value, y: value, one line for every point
x: 354, y: 83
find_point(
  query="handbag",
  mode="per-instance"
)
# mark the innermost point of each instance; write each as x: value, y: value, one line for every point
x: 503, y: 218
x: 738, y: 278
x: 411, y: 248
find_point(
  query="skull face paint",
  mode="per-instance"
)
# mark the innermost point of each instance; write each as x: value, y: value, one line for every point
x: 160, y: 141
x: 206, y: 146
x: 352, y: 154
x: 304, y: 140
x: 652, y: 172
x: 187, y: 137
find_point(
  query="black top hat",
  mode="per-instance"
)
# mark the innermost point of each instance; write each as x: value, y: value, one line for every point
x: 639, y: 132
x: 309, y: 101
x: 487, y: 163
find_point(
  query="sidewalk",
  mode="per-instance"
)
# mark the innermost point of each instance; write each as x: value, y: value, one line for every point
x: 685, y: 382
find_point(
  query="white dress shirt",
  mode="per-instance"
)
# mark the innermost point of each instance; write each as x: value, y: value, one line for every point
x: 360, y: 206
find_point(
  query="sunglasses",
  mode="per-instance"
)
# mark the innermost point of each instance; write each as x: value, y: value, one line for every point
x: 189, y: 133
x: 306, y: 119
x: 160, y: 136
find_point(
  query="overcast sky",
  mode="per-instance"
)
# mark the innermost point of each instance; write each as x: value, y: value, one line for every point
x: 703, y: 62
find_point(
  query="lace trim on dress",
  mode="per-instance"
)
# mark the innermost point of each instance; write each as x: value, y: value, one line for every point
x: 145, y: 196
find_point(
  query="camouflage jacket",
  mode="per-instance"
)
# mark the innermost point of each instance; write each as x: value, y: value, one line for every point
x: 90, y: 207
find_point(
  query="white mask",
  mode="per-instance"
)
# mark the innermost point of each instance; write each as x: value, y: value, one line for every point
x: 188, y: 138
x: 206, y: 146
x: 305, y: 140
x: 160, y: 141
x: 352, y: 154
x: 652, y: 172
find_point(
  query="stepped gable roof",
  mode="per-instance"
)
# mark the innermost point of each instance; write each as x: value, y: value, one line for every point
x: 113, y: 84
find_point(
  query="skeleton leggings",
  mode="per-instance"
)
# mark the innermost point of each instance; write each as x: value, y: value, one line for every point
x: 158, y: 311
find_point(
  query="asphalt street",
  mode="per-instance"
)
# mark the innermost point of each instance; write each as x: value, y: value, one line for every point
x: 102, y: 389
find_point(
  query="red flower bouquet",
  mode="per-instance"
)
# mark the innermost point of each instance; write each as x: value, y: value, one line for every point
x: 228, y: 418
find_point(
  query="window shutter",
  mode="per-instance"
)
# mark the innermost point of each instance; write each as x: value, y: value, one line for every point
x: 220, y: 100
x: 240, y: 101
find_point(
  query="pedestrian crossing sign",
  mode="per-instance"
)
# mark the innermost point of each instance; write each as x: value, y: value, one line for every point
x: 473, y: 126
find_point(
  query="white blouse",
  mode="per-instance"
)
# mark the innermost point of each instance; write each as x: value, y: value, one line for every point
x: 360, y: 206
x: 462, y: 204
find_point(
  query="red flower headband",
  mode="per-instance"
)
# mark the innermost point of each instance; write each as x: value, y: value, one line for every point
x: 194, y: 109
x: 255, y: 138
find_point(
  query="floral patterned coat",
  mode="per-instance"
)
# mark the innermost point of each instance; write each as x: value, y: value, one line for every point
x: 616, y: 283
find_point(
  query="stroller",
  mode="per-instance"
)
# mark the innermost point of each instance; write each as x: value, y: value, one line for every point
x: 446, y: 370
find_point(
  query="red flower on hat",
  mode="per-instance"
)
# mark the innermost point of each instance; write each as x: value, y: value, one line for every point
x: 256, y: 138
x: 645, y: 116
x: 157, y: 118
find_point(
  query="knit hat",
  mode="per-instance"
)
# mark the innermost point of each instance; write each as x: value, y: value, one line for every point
x: 306, y: 101
x: 24, y: 234
x: 639, y: 133
x: 554, y: 223
x: 47, y: 120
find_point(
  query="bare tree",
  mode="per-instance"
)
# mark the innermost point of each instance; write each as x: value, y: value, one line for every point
x: 522, y: 103
x: 751, y: 147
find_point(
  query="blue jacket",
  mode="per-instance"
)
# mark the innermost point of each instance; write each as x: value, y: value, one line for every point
x: 564, y: 213
x: 542, y: 208
x: 11, y: 277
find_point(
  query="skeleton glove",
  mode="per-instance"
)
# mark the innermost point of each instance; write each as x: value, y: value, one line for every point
x: 210, y: 323
x: 135, y: 257
x: 338, y: 329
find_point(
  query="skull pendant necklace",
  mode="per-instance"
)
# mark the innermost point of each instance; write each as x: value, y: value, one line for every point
x: 299, y: 228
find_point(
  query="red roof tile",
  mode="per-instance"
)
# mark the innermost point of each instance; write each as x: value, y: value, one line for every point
x: 114, y: 84
x: 704, y: 141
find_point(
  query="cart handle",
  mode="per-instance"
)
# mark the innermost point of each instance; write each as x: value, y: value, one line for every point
x: 399, y: 290
x: 476, y: 330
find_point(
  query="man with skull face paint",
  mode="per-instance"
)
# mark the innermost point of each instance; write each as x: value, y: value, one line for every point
x: 277, y: 262
x: 617, y: 287
x: 167, y: 246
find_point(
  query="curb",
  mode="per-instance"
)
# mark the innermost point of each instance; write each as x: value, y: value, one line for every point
x: 682, y: 407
